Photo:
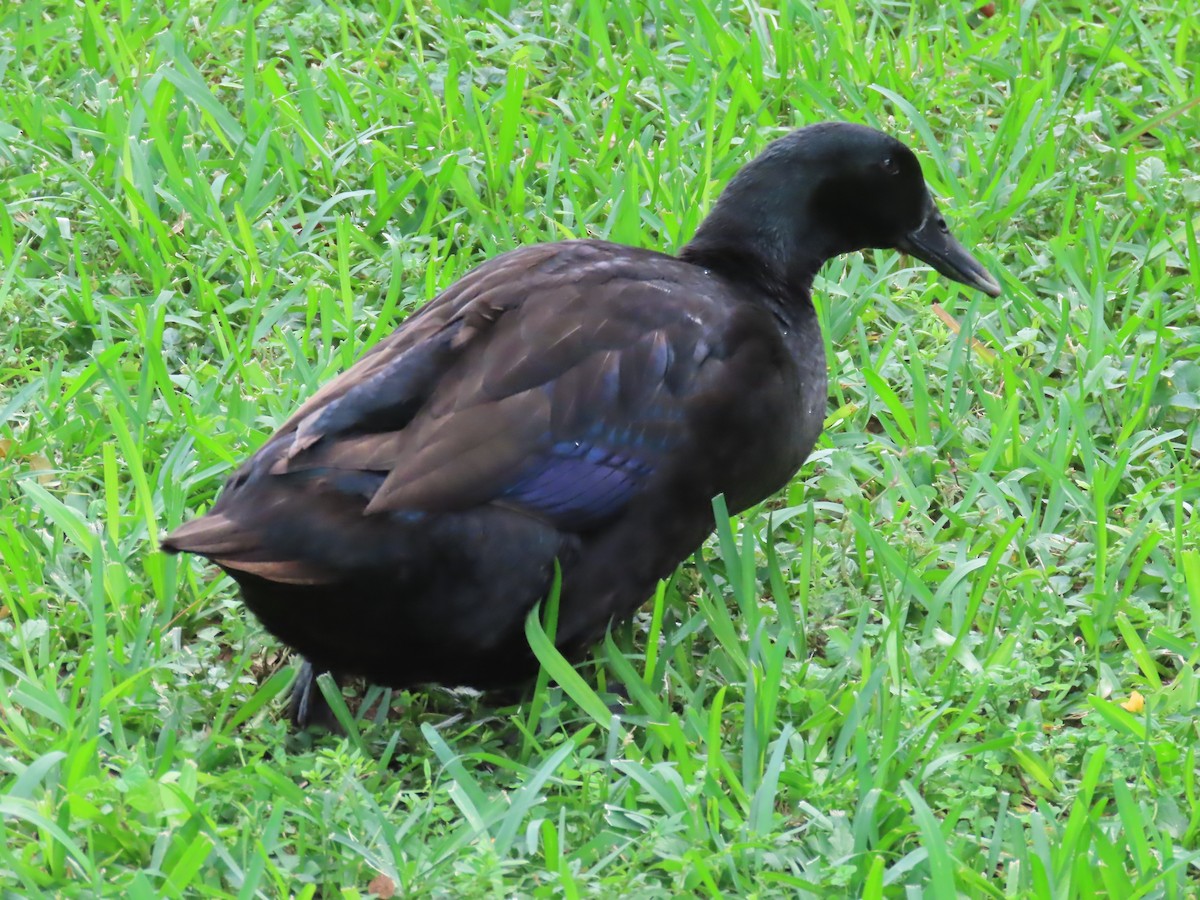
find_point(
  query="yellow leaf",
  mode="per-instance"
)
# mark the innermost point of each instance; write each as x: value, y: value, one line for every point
x: 1135, y: 704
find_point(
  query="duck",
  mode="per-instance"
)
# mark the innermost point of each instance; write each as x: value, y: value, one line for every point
x: 572, y: 406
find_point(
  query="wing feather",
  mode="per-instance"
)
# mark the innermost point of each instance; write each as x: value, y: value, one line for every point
x: 555, y: 379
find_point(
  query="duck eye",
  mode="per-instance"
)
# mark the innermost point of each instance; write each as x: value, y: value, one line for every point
x: 890, y: 166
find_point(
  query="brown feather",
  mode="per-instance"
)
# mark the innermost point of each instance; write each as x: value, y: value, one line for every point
x: 208, y: 535
x: 282, y: 571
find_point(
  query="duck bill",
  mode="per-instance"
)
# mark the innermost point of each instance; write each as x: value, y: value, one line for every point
x: 933, y: 244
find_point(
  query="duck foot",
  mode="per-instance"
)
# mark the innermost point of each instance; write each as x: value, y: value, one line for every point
x: 307, y: 706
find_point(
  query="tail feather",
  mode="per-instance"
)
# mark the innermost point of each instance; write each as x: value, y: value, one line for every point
x: 232, y: 546
x: 208, y: 535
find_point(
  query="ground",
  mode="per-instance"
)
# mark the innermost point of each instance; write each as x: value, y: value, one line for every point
x: 957, y: 656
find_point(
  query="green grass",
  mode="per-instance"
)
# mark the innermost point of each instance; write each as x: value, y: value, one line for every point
x: 909, y: 675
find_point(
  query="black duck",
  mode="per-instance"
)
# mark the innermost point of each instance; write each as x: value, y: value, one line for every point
x: 578, y: 401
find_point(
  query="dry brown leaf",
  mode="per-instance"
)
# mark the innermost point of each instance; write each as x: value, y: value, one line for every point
x: 952, y: 324
x: 45, y: 469
x: 382, y: 886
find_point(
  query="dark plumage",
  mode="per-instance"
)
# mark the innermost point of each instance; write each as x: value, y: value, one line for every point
x: 579, y: 401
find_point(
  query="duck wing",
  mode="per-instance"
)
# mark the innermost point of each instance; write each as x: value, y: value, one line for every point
x: 556, y: 381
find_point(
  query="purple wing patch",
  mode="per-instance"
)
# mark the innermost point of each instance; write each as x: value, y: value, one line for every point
x: 578, y: 486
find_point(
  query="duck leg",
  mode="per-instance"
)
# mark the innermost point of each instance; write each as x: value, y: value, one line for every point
x: 307, y: 706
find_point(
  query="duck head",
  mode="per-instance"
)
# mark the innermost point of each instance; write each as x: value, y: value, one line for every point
x: 825, y: 190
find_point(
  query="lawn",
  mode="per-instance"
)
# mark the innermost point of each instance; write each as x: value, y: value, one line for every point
x: 956, y: 657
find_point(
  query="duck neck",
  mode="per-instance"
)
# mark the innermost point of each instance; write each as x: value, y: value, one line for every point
x: 780, y: 266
